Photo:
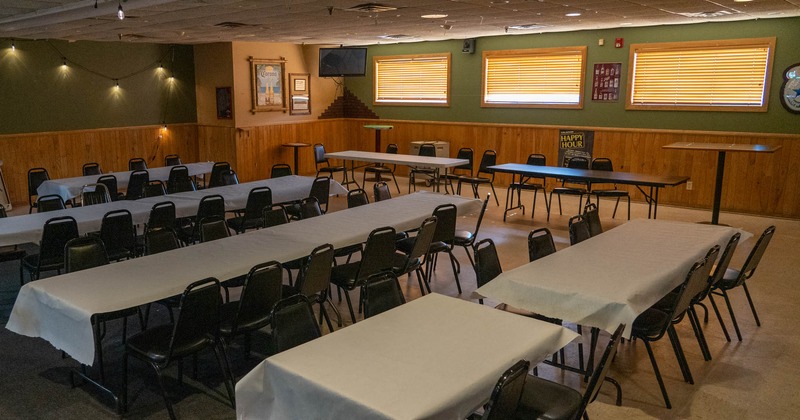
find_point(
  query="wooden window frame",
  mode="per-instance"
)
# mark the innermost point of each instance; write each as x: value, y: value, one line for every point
x: 411, y: 102
x: 701, y: 45
x: 576, y: 50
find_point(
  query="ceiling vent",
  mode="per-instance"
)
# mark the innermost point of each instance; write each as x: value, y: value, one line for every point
x: 233, y: 25
x: 371, y: 8
x: 707, y: 14
x: 527, y: 27
x: 397, y: 37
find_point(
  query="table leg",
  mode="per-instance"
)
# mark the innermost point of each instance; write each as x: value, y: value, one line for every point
x: 295, y: 160
x: 377, y: 141
x: 718, y: 187
x: 655, y: 204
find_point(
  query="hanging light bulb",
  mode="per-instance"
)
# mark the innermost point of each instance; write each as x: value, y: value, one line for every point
x: 13, y: 47
x: 120, y: 12
x: 116, y: 83
x: 63, y: 62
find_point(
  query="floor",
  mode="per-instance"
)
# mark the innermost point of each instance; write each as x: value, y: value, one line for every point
x: 754, y: 378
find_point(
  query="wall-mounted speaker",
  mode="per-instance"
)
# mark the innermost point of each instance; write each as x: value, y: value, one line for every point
x: 469, y: 46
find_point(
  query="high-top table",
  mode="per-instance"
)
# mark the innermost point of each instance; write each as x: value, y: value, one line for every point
x: 437, y: 163
x: 69, y: 188
x: 60, y: 309
x: 610, y: 278
x: 378, y: 128
x: 721, y: 149
x: 654, y: 182
x: 434, y: 357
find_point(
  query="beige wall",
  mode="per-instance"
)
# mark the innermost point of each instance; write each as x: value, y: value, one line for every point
x: 213, y: 68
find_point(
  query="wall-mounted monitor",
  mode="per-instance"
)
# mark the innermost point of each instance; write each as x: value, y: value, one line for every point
x: 347, y: 61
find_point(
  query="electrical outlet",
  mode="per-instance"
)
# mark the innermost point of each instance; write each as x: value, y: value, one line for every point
x: 689, y: 185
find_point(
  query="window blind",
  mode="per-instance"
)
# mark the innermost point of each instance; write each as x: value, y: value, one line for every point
x: 412, y: 80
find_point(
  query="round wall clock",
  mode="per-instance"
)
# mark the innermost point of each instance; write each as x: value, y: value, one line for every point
x: 790, y: 89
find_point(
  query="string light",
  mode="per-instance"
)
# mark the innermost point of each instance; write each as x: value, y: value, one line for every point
x: 120, y: 12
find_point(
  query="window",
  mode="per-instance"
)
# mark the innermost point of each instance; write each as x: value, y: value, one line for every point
x: 730, y: 75
x: 412, y: 79
x: 535, y: 78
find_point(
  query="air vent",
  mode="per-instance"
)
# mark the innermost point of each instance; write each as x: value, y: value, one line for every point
x: 131, y: 37
x: 396, y: 36
x: 233, y: 25
x: 527, y: 27
x: 707, y: 14
x: 371, y: 8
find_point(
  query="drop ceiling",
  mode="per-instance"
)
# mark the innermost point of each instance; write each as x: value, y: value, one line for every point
x: 353, y: 22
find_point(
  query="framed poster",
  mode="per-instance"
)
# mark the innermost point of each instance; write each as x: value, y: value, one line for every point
x: 605, y: 82
x: 300, y: 94
x: 267, y: 85
x: 224, y: 103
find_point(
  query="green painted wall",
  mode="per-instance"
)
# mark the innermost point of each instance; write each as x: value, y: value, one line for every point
x: 466, y: 79
x: 38, y: 95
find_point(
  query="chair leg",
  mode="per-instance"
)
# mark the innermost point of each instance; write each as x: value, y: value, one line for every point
x: 453, y: 263
x: 679, y: 354
x: 494, y: 193
x: 335, y: 310
x: 750, y: 301
x: 657, y: 372
x: 471, y: 262
x: 350, y: 306
x: 719, y: 318
x: 124, y: 396
x: 698, y: 333
x: 161, y: 385
x: 227, y: 374
x: 733, y: 316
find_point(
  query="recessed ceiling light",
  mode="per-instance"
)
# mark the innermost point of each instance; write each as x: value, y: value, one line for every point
x: 625, y: 24
x: 434, y: 16
x: 573, y: 14
x: 742, y: 1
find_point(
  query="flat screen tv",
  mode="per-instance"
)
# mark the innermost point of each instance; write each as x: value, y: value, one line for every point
x: 336, y: 62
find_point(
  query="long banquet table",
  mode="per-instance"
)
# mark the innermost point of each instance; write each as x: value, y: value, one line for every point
x: 69, y: 188
x: 653, y: 182
x: 434, y: 357
x: 59, y: 309
x: 610, y: 278
x: 28, y: 228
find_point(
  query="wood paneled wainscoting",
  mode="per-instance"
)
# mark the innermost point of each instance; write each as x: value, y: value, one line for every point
x: 63, y: 153
x: 764, y: 183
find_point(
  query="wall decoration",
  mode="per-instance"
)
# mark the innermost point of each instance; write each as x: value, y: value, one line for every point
x: 224, y: 103
x: 573, y: 143
x: 267, y: 84
x: 605, y: 82
x: 790, y: 89
x: 300, y: 94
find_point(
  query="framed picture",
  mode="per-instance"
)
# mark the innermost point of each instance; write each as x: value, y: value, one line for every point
x: 300, y: 94
x: 224, y: 103
x: 267, y: 85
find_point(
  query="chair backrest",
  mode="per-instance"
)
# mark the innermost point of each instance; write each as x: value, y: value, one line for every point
x: 137, y: 164
x: 215, y: 180
x: 261, y: 291
x: 213, y: 228
x: 507, y: 393
x: 136, y: 184
x: 378, y: 253
x: 592, y: 216
x: 279, y: 170
x: 211, y: 205
x: 92, y: 168
x: 160, y: 240
x: 480, y: 216
x: 118, y: 233
x: 320, y: 189
x: 536, y: 159
x: 94, y: 194
x: 50, y: 202
x: 422, y: 241
x: 110, y: 181
x: 380, y: 293
x: 578, y: 229
x: 487, y: 263
x: 179, y: 180
x: 55, y: 235
x: 602, y: 164
x: 750, y: 265
x: 695, y: 280
x: 696, y: 290
x: 257, y: 199
x: 380, y: 191
x: 293, y: 323
x: 468, y: 154
x: 162, y: 215
x: 601, y: 371
x: 446, y: 215
x: 427, y: 149
x: 35, y: 178
x: 319, y: 154
x: 392, y: 148
x: 315, y: 274
x: 229, y: 177
x: 275, y: 215
x: 154, y: 188
x: 84, y: 252
x: 724, y: 262
x: 172, y: 160
x: 488, y: 159
x: 357, y: 197
x: 198, y: 318
x: 578, y: 162
x: 309, y: 207
x: 540, y: 244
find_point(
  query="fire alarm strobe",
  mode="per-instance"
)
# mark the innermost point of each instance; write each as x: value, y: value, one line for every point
x: 619, y: 42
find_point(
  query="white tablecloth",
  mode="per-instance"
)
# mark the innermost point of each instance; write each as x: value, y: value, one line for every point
x: 434, y: 357
x: 610, y: 278
x: 69, y: 188
x: 59, y: 309
x: 411, y: 160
